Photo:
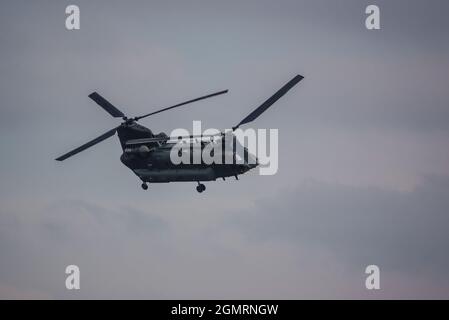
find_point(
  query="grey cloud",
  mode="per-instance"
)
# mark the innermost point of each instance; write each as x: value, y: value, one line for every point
x: 390, y: 79
x: 403, y: 232
x: 310, y: 241
x: 37, y: 244
x: 371, y: 113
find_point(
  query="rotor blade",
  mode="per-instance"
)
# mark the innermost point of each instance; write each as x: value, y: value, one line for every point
x: 106, y: 105
x: 181, y: 104
x: 275, y: 97
x: 104, y: 136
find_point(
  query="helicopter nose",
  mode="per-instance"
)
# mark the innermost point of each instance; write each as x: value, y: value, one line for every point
x: 254, y: 163
x: 251, y: 160
x: 251, y: 164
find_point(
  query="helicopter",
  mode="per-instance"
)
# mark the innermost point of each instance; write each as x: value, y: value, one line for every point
x: 148, y: 154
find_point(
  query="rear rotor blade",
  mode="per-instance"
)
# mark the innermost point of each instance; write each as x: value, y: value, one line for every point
x: 106, y: 105
x: 89, y: 144
x: 275, y: 97
x: 181, y: 104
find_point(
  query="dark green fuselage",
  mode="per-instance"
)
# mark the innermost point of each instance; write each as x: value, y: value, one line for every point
x: 151, y: 161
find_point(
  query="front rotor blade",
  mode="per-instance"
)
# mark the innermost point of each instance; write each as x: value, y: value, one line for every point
x: 275, y: 97
x: 181, y: 104
x: 104, y: 136
x: 106, y: 105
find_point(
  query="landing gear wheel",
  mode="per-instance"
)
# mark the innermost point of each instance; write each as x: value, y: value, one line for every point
x: 144, y: 186
x: 200, y: 187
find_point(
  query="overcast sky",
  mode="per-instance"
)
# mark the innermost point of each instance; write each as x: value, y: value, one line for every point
x: 363, y: 152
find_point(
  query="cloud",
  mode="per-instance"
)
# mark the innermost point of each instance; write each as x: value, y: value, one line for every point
x: 312, y: 241
x: 38, y: 243
x: 372, y: 113
x: 405, y: 233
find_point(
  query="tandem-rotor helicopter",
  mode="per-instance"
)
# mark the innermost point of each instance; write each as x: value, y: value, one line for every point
x: 148, y: 154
